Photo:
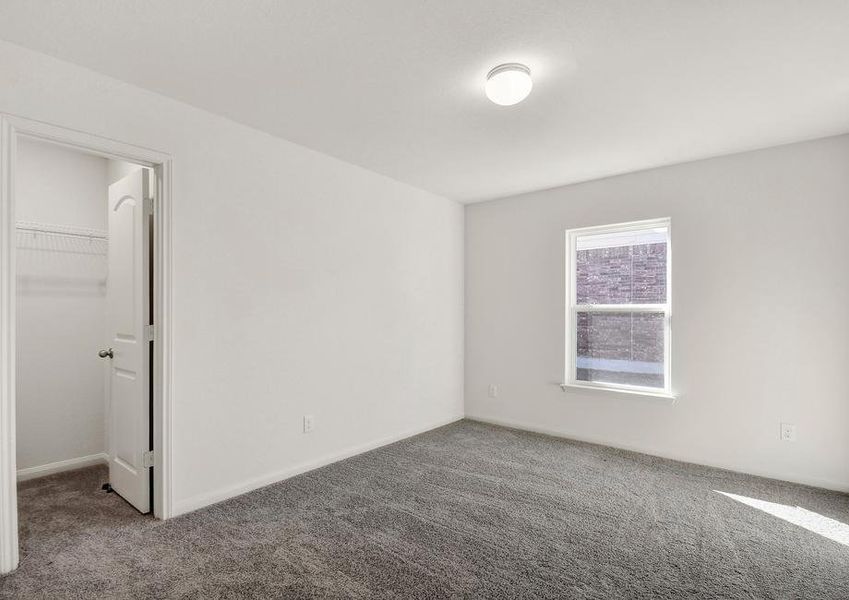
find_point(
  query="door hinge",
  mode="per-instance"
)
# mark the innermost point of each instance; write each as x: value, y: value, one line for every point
x: 148, y: 459
x: 148, y: 206
x: 150, y: 332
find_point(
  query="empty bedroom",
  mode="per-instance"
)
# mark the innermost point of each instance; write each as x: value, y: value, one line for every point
x: 406, y: 299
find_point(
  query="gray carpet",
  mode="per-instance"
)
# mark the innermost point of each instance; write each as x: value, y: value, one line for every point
x: 465, y: 511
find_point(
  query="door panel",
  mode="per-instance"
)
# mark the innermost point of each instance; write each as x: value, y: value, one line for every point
x: 127, y: 314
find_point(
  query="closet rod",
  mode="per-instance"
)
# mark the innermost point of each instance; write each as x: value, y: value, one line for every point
x: 36, y: 228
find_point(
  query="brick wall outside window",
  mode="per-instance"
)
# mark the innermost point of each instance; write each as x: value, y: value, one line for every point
x: 621, y: 347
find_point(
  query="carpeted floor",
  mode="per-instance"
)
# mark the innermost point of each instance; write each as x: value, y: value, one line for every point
x: 465, y: 511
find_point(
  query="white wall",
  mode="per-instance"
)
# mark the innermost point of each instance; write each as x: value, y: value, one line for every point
x: 302, y: 284
x: 760, y: 289
x: 60, y: 307
x: 118, y: 169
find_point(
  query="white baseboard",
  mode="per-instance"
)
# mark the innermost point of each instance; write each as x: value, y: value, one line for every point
x: 206, y: 499
x: 790, y: 477
x: 63, y: 465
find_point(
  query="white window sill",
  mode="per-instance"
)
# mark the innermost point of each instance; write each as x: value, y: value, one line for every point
x: 621, y: 390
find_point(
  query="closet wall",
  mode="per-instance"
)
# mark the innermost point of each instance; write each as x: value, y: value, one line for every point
x: 61, y: 402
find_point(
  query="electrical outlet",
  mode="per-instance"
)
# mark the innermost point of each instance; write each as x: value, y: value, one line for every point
x: 309, y: 423
x: 788, y: 432
x: 493, y: 390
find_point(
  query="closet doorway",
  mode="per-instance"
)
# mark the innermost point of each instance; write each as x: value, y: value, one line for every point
x: 84, y: 316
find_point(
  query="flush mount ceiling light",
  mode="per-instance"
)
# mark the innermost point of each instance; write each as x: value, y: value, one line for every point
x: 509, y: 84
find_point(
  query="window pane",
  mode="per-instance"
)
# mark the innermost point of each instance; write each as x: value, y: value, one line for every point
x: 620, y: 347
x: 621, y: 268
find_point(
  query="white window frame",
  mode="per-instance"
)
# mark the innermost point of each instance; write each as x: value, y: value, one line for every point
x: 573, y: 308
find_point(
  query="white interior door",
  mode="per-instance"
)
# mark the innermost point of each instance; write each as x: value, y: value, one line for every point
x: 128, y: 315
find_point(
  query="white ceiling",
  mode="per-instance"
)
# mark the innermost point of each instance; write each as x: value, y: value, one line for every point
x: 397, y: 85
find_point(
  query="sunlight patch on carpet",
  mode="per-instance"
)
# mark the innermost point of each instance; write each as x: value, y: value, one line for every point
x: 815, y: 522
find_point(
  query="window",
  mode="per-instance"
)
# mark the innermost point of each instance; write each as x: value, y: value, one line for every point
x: 618, y: 318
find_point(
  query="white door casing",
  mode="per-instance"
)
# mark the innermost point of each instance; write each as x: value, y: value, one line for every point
x: 11, y: 128
x: 128, y: 314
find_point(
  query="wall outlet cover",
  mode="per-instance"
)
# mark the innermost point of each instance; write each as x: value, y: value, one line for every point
x: 309, y: 423
x: 788, y: 432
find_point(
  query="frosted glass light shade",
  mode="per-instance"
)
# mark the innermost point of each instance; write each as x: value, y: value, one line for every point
x: 509, y: 84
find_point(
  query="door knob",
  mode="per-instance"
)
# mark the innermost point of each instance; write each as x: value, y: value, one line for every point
x: 106, y: 353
